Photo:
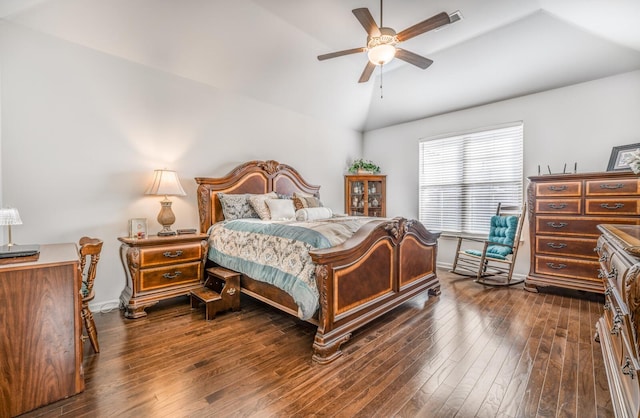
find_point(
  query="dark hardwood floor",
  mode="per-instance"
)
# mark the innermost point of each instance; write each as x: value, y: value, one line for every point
x: 473, y: 351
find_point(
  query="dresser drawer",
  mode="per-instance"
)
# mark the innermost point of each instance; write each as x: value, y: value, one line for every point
x: 561, y: 246
x: 568, y: 267
x: 566, y: 206
x: 559, y: 188
x: 170, y: 254
x: 612, y: 187
x: 169, y: 276
x: 577, y: 225
x: 616, y: 206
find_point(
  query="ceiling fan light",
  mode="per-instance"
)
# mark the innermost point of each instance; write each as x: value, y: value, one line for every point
x: 381, y: 54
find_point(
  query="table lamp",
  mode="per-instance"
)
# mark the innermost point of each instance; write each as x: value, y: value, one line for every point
x: 10, y: 216
x: 165, y: 182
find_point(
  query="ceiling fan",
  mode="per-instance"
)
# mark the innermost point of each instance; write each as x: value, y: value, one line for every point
x: 382, y: 42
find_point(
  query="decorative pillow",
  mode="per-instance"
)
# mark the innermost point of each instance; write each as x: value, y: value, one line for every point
x: 281, y: 209
x: 258, y: 203
x: 236, y: 206
x: 302, y: 201
x: 313, y: 214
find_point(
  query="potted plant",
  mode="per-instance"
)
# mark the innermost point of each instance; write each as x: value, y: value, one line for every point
x: 362, y: 166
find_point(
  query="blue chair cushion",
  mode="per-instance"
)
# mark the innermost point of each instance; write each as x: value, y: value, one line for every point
x: 502, y: 231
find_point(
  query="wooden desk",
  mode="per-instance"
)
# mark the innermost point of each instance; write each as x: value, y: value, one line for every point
x: 40, y: 330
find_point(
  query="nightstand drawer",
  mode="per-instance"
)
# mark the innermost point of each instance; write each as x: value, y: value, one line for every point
x: 155, y: 278
x: 170, y: 254
x: 568, y: 206
x: 612, y: 187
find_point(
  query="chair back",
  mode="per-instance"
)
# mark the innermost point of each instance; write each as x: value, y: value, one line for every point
x: 90, y: 249
x: 506, y: 227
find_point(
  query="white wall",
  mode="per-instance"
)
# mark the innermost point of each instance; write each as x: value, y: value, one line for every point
x: 580, y: 123
x: 82, y: 132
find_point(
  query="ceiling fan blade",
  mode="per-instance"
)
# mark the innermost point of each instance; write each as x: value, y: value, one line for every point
x: 366, y: 74
x: 432, y: 23
x: 411, y: 58
x: 367, y: 21
x: 340, y: 53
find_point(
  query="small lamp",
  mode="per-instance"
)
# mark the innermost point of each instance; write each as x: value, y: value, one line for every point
x: 10, y: 216
x: 165, y: 182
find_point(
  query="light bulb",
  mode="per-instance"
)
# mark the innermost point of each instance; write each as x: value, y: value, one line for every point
x: 381, y: 54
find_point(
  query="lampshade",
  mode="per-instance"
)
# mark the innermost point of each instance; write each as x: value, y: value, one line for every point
x: 381, y: 54
x: 10, y: 216
x: 165, y: 182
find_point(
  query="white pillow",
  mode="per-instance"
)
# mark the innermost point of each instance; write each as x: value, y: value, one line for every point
x: 313, y: 214
x: 281, y: 209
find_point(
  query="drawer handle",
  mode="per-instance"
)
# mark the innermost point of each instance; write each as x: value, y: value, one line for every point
x: 627, y: 368
x: 608, y: 290
x: 603, y: 258
x: 557, y: 225
x: 613, y: 274
x: 614, y: 207
x: 556, y: 246
x: 557, y: 188
x: 612, y: 187
x: 560, y: 266
x: 554, y: 206
x: 169, y: 254
x: 597, y: 249
x: 607, y: 306
x: 617, y: 323
x: 172, y: 276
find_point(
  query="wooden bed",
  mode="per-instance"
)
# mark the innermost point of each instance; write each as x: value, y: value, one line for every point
x: 385, y: 263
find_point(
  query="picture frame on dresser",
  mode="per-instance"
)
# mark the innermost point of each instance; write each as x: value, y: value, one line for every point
x: 138, y: 228
x: 619, y: 155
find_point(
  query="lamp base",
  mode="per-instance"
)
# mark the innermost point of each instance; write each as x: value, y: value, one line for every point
x: 166, y: 232
x: 166, y: 218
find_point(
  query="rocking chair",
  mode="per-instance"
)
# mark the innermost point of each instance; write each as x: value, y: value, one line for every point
x: 493, y: 263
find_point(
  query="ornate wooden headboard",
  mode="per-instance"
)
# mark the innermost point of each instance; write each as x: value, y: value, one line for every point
x: 252, y: 177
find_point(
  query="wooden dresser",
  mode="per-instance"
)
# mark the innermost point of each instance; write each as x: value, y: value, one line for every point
x: 40, y: 330
x: 158, y: 268
x: 617, y: 330
x: 564, y: 211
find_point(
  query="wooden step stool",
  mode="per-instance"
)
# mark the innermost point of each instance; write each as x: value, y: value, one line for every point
x: 220, y: 292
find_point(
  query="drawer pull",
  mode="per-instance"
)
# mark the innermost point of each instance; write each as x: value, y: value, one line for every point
x: 617, y: 323
x: 608, y: 290
x: 172, y: 276
x: 612, y: 186
x: 627, y: 368
x: 613, y: 274
x: 557, y: 225
x: 559, y: 206
x: 597, y: 249
x: 607, y: 306
x: 560, y: 266
x: 169, y: 254
x: 614, y: 207
x: 556, y: 246
x: 557, y: 188
x: 603, y: 258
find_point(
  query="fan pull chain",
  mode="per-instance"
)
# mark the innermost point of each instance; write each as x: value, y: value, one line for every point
x: 381, y: 96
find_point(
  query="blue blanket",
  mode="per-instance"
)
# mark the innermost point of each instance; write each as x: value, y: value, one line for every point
x: 278, y: 252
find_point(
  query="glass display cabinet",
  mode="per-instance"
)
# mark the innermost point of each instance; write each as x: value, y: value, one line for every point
x: 365, y: 195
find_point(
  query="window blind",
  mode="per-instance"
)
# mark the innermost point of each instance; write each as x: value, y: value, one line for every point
x: 463, y: 177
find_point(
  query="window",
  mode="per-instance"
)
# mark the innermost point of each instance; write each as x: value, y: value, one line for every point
x: 463, y: 177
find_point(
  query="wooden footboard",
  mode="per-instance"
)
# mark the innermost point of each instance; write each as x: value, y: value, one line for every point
x: 383, y: 265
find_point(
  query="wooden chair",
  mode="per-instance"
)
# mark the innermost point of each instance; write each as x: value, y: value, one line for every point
x: 493, y: 262
x: 90, y: 249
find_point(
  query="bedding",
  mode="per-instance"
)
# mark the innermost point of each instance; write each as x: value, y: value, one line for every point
x: 278, y: 252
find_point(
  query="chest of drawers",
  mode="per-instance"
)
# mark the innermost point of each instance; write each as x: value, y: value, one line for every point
x: 617, y: 329
x: 158, y: 268
x: 564, y: 212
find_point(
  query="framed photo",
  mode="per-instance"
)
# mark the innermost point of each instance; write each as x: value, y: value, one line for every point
x: 138, y: 228
x: 619, y: 157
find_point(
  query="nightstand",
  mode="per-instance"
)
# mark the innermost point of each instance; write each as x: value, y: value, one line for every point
x: 158, y: 268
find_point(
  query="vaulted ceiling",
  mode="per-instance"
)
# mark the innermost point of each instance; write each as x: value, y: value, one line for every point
x: 267, y: 49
